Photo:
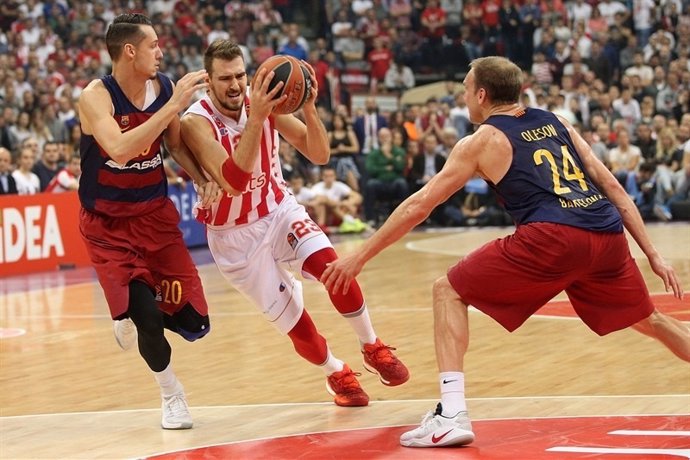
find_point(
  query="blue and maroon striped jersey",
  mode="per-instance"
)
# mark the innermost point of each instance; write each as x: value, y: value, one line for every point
x: 546, y: 181
x: 135, y: 188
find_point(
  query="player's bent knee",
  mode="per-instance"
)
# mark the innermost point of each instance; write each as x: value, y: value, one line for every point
x: 644, y: 327
x: 190, y: 324
x: 443, y: 289
x: 648, y: 326
x: 191, y: 336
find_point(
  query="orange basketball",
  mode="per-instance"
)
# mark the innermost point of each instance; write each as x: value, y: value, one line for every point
x: 297, y: 83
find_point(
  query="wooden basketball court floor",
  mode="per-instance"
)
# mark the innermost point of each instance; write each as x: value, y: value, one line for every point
x: 68, y: 391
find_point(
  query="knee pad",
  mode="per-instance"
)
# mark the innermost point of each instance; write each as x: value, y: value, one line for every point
x: 143, y: 309
x: 190, y: 324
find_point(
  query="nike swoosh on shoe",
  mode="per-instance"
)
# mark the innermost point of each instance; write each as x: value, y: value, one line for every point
x: 436, y: 440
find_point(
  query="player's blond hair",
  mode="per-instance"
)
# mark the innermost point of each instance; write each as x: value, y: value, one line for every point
x: 500, y: 78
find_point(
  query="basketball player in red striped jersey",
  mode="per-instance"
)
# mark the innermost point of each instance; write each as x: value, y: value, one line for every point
x: 127, y: 221
x: 258, y: 232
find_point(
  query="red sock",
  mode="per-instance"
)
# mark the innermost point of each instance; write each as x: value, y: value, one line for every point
x: 315, y: 265
x: 309, y: 344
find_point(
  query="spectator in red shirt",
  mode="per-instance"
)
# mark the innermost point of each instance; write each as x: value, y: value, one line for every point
x: 433, y: 20
x: 490, y: 19
x: 472, y: 19
x: 379, y: 59
x: 87, y: 52
x: 321, y: 69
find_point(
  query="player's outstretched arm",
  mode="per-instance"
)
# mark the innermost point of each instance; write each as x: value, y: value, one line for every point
x: 632, y: 220
x: 96, y: 116
x: 458, y: 169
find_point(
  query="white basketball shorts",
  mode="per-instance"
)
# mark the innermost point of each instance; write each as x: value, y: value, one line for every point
x: 258, y: 259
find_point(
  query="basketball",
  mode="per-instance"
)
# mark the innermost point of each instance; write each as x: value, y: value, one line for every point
x: 297, y: 83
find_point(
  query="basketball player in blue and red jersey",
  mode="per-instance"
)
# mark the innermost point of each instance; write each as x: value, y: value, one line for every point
x: 570, y: 213
x: 258, y: 232
x: 127, y: 222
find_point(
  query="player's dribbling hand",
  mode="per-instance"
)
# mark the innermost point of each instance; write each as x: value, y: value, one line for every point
x: 263, y: 100
x: 339, y: 274
x: 666, y: 272
x: 186, y: 87
x: 208, y: 194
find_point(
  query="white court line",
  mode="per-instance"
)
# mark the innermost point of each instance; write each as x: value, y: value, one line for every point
x: 650, y: 433
x: 390, y: 401
x: 683, y: 453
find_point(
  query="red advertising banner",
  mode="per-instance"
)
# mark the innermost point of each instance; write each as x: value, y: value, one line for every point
x: 40, y: 232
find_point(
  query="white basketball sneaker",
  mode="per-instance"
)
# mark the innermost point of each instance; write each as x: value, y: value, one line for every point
x: 125, y: 333
x: 176, y: 414
x: 437, y: 431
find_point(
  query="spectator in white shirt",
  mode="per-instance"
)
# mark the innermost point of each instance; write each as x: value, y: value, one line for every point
x: 625, y: 157
x: 579, y: 11
x: 218, y: 32
x: 28, y: 183
x: 399, y: 78
x: 303, y: 194
x: 359, y: 7
x: 645, y: 72
x: 628, y: 107
x: 460, y: 115
x: 643, y: 16
x: 339, y: 200
x: 609, y: 8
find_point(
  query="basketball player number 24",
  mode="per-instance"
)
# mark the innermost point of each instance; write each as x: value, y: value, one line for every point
x: 569, y: 172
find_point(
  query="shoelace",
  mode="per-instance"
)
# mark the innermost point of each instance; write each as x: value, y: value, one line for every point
x: 426, y: 420
x: 383, y: 354
x: 347, y: 381
x: 176, y: 405
x: 429, y: 417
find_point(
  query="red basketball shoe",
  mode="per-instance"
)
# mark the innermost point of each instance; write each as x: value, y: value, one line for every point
x: 379, y: 359
x: 346, y: 389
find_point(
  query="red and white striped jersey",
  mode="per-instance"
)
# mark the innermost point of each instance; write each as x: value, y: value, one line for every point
x: 266, y: 188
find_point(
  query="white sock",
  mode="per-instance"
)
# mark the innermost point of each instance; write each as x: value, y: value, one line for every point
x: 332, y: 364
x: 361, y: 323
x: 452, y: 393
x: 168, y: 382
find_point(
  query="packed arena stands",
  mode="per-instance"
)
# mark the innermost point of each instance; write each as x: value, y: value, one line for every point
x: 390, y: 78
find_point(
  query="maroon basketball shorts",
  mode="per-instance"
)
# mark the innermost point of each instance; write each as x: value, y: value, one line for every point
x: 149, y: 248
x: 510, y: 278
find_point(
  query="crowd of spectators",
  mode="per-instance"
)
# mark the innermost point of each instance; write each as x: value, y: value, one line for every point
x: 618, y: 70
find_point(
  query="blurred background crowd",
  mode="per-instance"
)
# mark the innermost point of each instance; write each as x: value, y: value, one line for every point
x: 618, y: 70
